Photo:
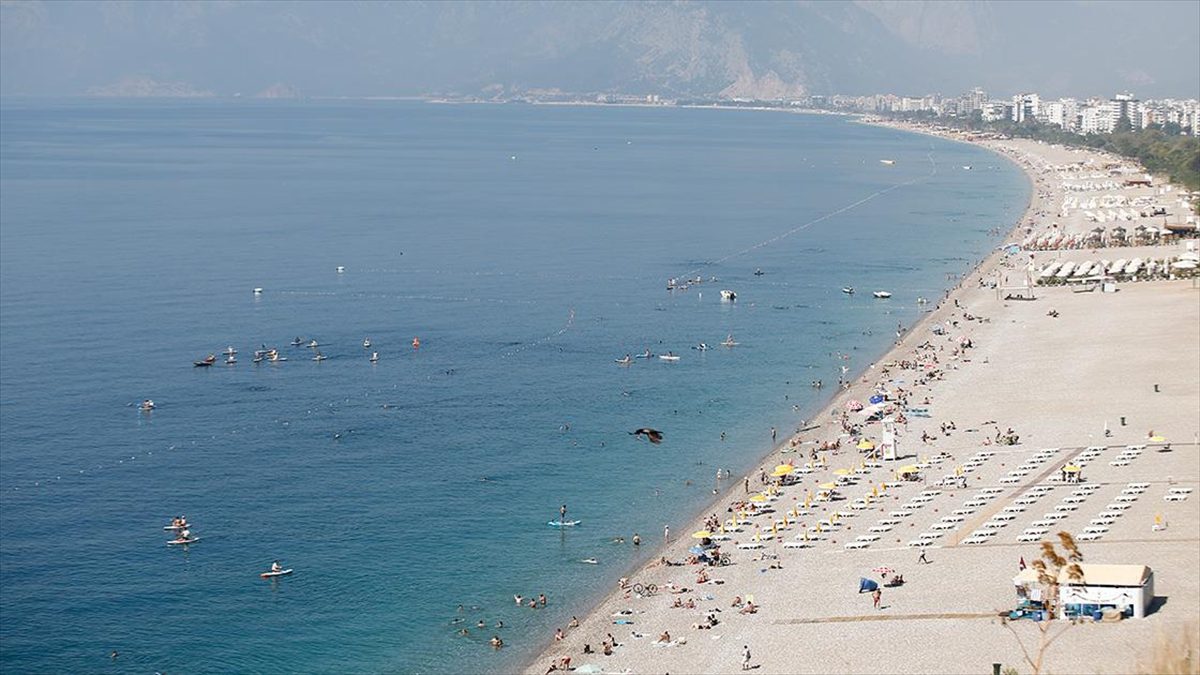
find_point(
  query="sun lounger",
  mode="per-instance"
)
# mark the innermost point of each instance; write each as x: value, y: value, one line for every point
x: 943, y: 526
x: 1075, y: 500
x: 1044, y: 522
x: 1118, y: 506
x: 994, y: 525
x: 1175, y: 497
x: 797, y: 544
x: 867, y: 537
x: 880, y: 528
x: 751, y: 545
x: 1035, y: 530
x: 974, y: 540
x: 1025, y: 538
x: 963, y: 512
x: 1089, y: 536
x: 1004, y: 517
x: 1061, y: 508
x: 857, y: 544
x: 1125, y: 498
x: 1056, y: 516
x: 930, y: 535
x: 1095, y: 528
x: 919, y: 543
x: 1016, y: 508
x: 1010, y: 480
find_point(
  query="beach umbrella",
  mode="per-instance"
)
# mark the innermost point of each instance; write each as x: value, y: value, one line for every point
x: 701, y: 534
x: 1071, y: 468
x: 1158, y: 439
x: 783, y: 470
x: 883, y: 570
x: 828, y: 486
x: 758, y: 499
x: 864, y: 444
x: 911, y: 468
x: 841, y: 472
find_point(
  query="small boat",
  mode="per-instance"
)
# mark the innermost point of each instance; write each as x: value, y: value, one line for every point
x: 560, y: 523
x: 341, y: 269
x: 624, y: 361
x: 590, y: 561
x: 888, y: 162
x: 374, y: 357
x: 297, y: 342
x: 728, y: 295
x: 645, y: 355
x: 848, y: 290
x: 183, y: 542
x: 966, y: 167
x: 922, y: 301
x: 669, y: 356
x: 313, y: 344
x: 882, y: 294
x: 758, y: 272
x: 367, y: 343
x: 319, y: 356
x: 203, y: 364
x: 280, y: 573
x: 176, y: 527
x: 258, y: 290
x: 729, y: 341
x: 258, y: 358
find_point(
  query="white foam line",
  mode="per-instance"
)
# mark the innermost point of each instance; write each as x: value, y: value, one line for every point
x: 820, y: 219
x: 541, y: 341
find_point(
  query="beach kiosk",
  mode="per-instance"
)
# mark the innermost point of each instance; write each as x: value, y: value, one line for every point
x: 1126, y: 588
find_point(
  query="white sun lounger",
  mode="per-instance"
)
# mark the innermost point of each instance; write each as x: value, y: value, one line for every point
x: 1062, y: 508
x: 943, y: 526
x: 1121, y: 506
x: 1024, y: 538
x: 751, y: 545
x: 867, y: 537
x: 1125, y: 498
x: 857, y: 544
x: 1089, y: 536
x: 919, y: 543
x: 880, y: 528
x: 1035, y: 530
x: 1176, y: 497
x: 1056, y: 516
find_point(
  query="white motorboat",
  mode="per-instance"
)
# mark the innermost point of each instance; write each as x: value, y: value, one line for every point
x: 887, y: 162
x: 374, y: 357
x: 882, y: 294
x: 367, y: 343
x: 848, y: 290
x: 669, y: 356
x: 728, y: 295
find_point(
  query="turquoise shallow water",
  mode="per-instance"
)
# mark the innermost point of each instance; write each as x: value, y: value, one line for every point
x: 527, y: 247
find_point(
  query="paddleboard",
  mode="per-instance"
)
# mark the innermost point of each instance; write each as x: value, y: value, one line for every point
x: 559, y: 523
x: 590, y: 561
x: 183, y: 542
x: 280, y: 573
x: 176, y: 527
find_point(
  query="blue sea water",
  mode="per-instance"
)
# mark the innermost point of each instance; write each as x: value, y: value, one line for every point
x: 527, y: 247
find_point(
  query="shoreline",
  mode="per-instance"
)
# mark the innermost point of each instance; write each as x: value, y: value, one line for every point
x: 1053, y: 379
x: 830, y: 405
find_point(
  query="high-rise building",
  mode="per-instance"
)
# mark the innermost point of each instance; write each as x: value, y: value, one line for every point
x: 1123, y: 106
x: 1025, y: 107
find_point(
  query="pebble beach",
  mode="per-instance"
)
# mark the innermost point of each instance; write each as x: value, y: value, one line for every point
x: 1061, y: 371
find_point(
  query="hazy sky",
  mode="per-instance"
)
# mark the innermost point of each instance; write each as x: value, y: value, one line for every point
x: 697, y: 48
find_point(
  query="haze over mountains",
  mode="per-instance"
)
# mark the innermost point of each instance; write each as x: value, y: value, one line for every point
x: 729, y: 49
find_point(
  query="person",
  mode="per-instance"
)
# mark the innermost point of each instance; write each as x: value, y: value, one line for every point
x: 745, y: 657
x: 773, y: 434
x: 558, y: 635
x: 542, y: 599
x: 481, y: 624
x: 666, y: 533
x: 185, y: 534
x: 276, y: 567
x: 562, y: 513
x: 497, y: 643
x: 665, y: 637
x: 499, y: 624
x: 464, y: 632
x: 923, y: 560
x: 876, y: 596
x: 637, y: 539
x: 574, y: 623
x: 518, y: 599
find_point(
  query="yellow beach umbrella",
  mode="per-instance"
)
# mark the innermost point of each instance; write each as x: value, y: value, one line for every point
x: 701, y: 534
x: 1158, y: 439
x: 841, y: 472
x: 784, y: 469
x: 828, y: 486
x: 1071, y: 468
x: 909, y: 468
x: 1158, y: 519
x: 774, y: 529
x: 875, y: 492
x: 958, y: 471
x: 864, y: 444
x: 758, y: 498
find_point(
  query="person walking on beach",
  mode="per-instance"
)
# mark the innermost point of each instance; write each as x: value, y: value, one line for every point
x: 923, y: 560
x: 666, y: 533
x: 747, y: 484
x: 876, y: 596
x: 745, y: 657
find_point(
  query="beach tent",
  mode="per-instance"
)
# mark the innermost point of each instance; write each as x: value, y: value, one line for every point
x: 866, y: 585
x: 877, y: 398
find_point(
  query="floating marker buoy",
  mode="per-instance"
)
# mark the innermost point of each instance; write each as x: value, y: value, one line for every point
x: 258, y: 290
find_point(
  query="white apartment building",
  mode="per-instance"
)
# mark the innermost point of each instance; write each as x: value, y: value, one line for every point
x: 1025, y: 107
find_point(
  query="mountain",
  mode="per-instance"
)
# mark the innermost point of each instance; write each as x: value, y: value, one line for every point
x: 730, y: 49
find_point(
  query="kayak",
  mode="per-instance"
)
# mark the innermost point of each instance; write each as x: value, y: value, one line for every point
x: 668, y: 357
x: 280, y: 573
x: 183, y: 542
x: 559, y: 523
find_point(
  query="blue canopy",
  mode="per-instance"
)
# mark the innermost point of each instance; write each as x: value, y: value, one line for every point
x: 866, y: 585
x: 877, y: 398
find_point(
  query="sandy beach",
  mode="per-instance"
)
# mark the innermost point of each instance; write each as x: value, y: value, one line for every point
x: 1064, y: 371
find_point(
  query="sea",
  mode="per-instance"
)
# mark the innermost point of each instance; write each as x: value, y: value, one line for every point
x: 527, y: 248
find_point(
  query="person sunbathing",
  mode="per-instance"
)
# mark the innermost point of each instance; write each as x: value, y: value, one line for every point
x: 750, y: 608
x: 664, y: 638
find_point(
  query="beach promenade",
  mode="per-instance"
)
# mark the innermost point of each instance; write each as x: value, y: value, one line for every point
x: 1064, y: 372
